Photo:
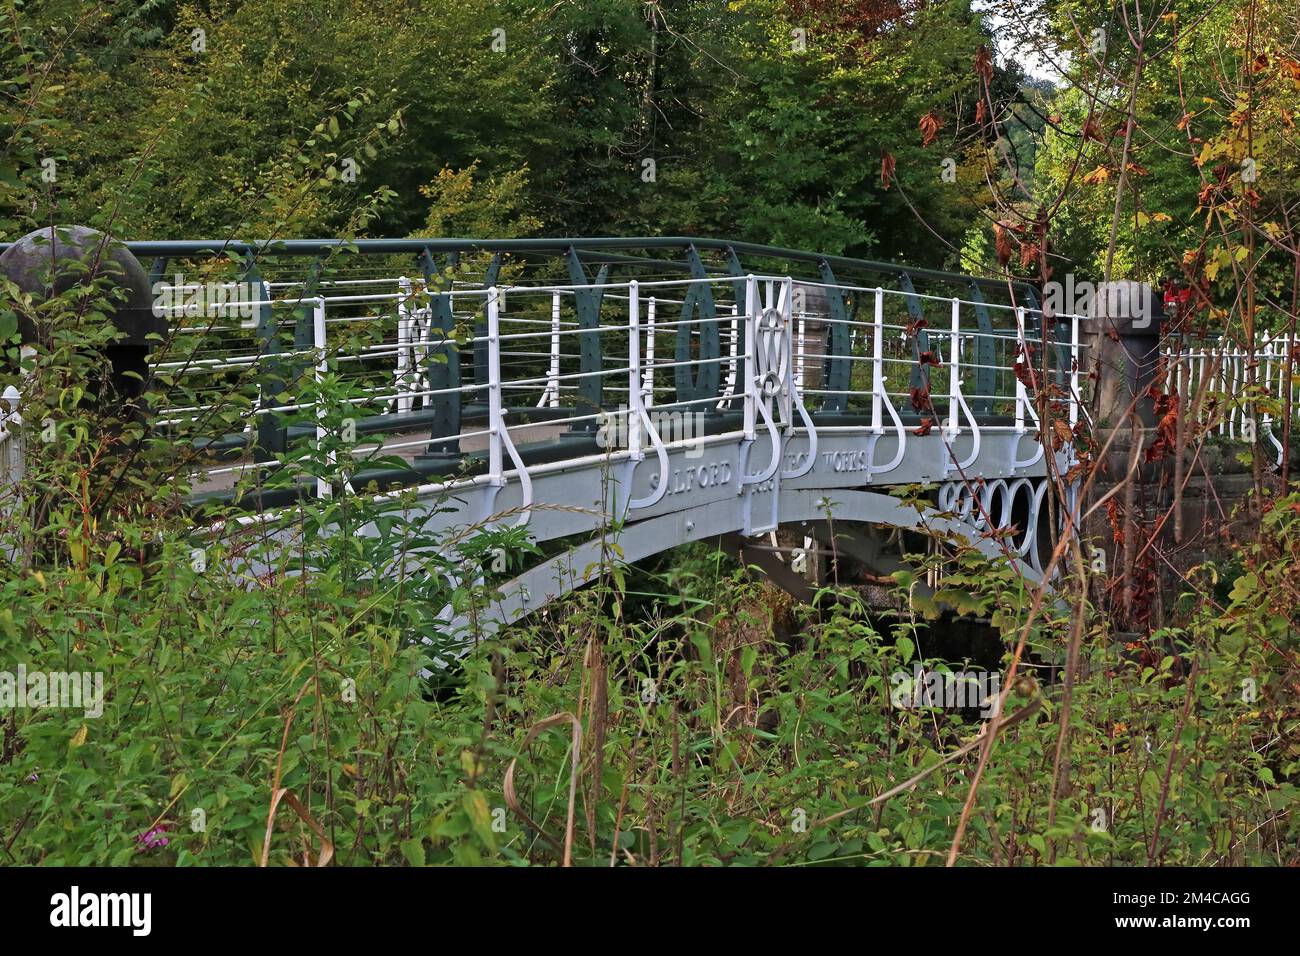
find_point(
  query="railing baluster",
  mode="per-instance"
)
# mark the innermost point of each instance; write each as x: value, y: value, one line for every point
x: 793, y: 377
x: 496, y: 421
x: 1022, y: 356
x: 1264, y: 355
x: 751, y: 338
x: 802, y: 350
x: 324, y: 488
x: 554, y: 384
x: 878, y: 364
x: 649, y: 376
x: 401, y: 382
x: 634, y: 398
x: 11, y: 465
x: 1074, y: 371
x: 1288, y: 343
x: 551, y: 395
x: 729, y: 383
x: 954, y: 371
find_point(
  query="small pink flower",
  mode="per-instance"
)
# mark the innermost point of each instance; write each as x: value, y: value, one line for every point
x: 155, y: 838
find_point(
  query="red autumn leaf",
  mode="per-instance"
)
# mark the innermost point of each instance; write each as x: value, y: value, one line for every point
x: 984, y: 64
x: 1158, y: 450
x: 1002, y: 242
x: 913, y: 327
x: 1112, y: 516
x: 928, y: 358
x: 1078, y: 470
x: 1023, y: 366
x: 1028, y: 254
x: 924, y: 428
x: 1092, y: 131
x: 1167, y: 408
x: 981, y: 112
x: 886, y: 168
x: 1061, y: 434
x: 921, y: 398
x: 930, y: 125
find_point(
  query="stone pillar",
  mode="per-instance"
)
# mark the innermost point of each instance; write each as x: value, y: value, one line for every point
x: 50, y: 261
x: 1122, y: 339
x: 1121, y: 356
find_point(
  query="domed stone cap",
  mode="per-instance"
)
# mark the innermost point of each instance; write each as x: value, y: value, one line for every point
x: 50, y: 261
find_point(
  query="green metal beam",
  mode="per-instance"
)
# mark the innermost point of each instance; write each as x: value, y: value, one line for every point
x: 921, y: 340
x: 556, y: 246
x: 695, y: 383
x: 985, y: 354
x: 588, y: 303
x: 442, y: 363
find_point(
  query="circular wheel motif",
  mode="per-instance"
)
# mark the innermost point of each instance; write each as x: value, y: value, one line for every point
x: 769, y: 352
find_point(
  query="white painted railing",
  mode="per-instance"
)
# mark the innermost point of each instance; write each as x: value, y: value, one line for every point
x: 532, y: 358
x: 11, y: 420
x: 1211, y: 377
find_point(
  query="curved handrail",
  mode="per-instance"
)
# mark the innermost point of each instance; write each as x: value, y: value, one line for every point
x: 525, y: 482
x: 879, y: 393
x: 955, y: 394
x: 499, y: 431
x: 775, y: 434
x: 975, y: 433
x: 637, y: 389
x: 812, y: 440
x: 1022, y: 399
x: 873, y: 469
x: 1038, y: 455
x: 656, y: 495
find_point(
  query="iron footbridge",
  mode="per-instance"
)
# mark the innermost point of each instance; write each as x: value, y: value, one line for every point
x: 577, y: 391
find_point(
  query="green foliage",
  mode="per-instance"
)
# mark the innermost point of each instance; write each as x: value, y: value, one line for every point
x: 236, y: 119
x: 717, y: 723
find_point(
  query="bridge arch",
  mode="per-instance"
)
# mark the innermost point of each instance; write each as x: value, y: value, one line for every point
x: 577, y: 566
